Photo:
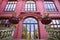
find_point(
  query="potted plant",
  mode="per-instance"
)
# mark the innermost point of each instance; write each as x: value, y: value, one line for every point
x: 46, y: 19
x: 14, y: 19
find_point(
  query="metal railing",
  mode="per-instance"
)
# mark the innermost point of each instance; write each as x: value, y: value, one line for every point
x: 53, y: 34
x: 5, y: 33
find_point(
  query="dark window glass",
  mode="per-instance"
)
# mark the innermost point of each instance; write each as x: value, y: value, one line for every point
x: 5, y: 22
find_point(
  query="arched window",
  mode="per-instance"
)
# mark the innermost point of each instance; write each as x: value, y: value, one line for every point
x: 30, y: 29
x: 30, y: 6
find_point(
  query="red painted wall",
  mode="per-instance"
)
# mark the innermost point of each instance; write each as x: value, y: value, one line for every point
x: 20, y: 8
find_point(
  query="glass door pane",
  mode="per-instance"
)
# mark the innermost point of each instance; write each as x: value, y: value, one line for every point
x: 30, y: 29
x: 36, y: 32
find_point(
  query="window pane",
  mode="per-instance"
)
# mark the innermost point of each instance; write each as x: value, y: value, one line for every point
x: 30, y: 6
x: 30, y: 29
x: 36, y: 31
x: 52, y: 26
x: 50, y: 6
x: 32, y: 35
x: 36, y: 26
x: 30, y: 20
x: 24, y: 27
x: 55, y: 26
x: 10, y: 6
x: 58, y: 26
x: 55, y: 23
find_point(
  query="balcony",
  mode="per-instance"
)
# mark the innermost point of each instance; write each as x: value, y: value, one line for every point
x: 53, y: 33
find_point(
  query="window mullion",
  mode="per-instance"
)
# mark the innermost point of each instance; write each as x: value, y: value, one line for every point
x: 49, y: 5
x: 30, y: 5
x: 10, y: 6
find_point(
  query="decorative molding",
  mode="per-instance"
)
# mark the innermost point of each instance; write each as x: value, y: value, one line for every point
x: 30, y: 14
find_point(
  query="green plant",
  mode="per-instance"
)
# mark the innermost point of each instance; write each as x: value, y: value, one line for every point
x: 47, y: 27
x: 45, y: 19
x: 54, y: 37
x: 45, y: 15
x: 13, y: 14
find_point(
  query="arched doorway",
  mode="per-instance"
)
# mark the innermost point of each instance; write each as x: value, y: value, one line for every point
x: 30, y: 29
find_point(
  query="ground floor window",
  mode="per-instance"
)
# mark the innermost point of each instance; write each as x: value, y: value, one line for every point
x: 30, y: 29
x: 55, y: 23
x: 5, y: 22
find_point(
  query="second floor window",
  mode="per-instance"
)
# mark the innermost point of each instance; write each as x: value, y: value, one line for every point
x: 50, y: 7
x: 10, y: 6
x: 30, y: 6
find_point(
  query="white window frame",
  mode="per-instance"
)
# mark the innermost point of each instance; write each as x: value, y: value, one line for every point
x: 50, y: 6
x: 55, y: 23
x: 11, y: 5
x: 30, y: 6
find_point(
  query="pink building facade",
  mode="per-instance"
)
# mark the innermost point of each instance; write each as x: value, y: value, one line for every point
x: 22, y: 14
